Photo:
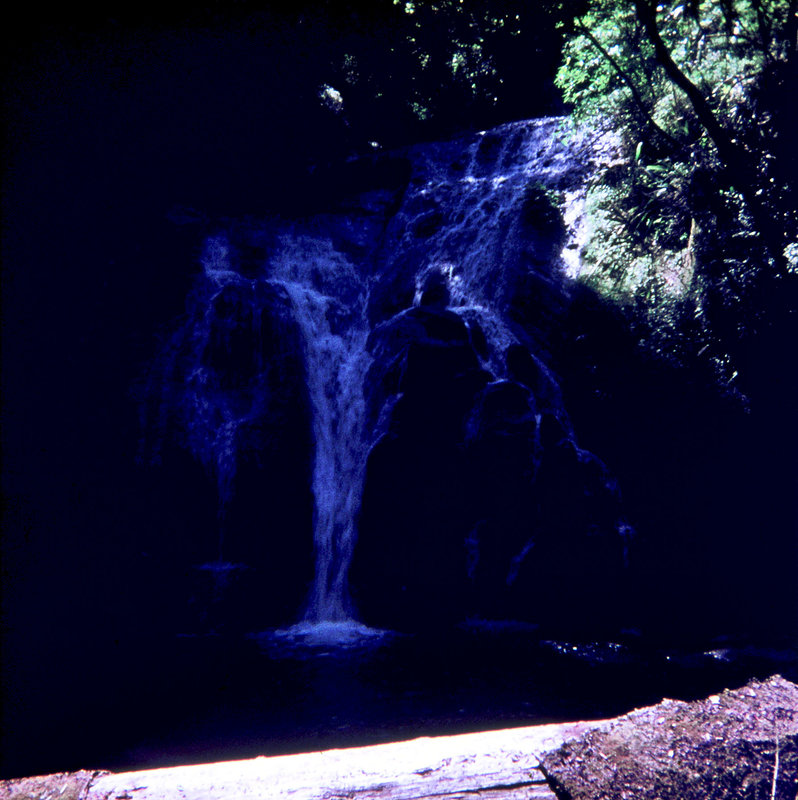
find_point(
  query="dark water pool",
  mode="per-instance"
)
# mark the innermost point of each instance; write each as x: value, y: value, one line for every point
x: 194, y: 699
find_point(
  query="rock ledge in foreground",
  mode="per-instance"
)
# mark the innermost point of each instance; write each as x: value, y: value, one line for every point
x: 732, y: 745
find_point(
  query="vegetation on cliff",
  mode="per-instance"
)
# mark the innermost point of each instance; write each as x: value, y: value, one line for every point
x: 695, y: 227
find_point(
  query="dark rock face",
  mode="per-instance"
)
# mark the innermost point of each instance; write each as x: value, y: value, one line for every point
x: 232, y: 388
x: 474, y: 502
x: 410, y: 562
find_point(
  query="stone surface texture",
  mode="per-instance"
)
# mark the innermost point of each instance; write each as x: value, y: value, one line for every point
x: 741, y: 744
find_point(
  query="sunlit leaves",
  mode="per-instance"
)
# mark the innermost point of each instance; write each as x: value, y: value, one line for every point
x: 675, y: 219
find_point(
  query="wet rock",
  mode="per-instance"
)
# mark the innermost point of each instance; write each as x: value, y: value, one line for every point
x: 435, y: 290
x: 409, y: 566
x: 579, y: 545
x: 250, y: 326
x: 341, y: 185
x: 475, y: 500
x: 530, y: 371
x: 233, y: 394
x: 428, y: 224
x: 502, y: 453
x: 425, y: 354
x: 504, y: 408
x: 409, y: 569
x: 421, y: 325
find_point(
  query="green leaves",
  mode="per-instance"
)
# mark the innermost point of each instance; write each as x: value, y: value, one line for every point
x: 688, y: 217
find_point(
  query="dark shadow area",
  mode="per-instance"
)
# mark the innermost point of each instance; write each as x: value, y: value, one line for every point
x: 161, y: 702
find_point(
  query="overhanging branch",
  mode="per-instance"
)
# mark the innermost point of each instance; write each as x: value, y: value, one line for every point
x: 623, y: 75
x: 729, y: 154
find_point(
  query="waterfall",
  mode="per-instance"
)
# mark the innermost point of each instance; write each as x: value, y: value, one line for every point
x: 473, y: 226
x: 469, y: 197
x: 215, y: 374
x: 329, y: 300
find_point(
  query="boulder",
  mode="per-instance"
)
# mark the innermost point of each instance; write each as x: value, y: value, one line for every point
x: 477, y: 501
x: 409, y: 566
x: 424, y: 354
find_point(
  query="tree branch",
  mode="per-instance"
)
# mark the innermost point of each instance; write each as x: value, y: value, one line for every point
x: 739, y: 166
x: 764, y: 30
x: 622, y: 74
x: 729, y: 154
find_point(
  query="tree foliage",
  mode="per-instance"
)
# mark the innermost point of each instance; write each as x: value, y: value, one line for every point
x: 432, y: 66
x: 695, y: 223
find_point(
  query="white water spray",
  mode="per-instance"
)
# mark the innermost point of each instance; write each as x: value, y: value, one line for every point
x: 329, y: 301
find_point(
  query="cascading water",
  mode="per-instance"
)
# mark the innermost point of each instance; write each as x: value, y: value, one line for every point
x: 473, y: 215
x: 330, y: 303
x: 327, y: 298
